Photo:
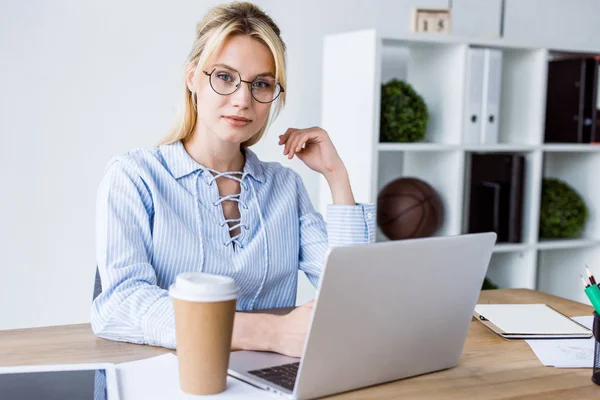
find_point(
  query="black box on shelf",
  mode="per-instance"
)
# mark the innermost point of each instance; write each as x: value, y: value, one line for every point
x: 571, y: 100
x: 496, y: 195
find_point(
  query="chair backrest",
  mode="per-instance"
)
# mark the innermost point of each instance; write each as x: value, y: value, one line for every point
x: 97, y: 285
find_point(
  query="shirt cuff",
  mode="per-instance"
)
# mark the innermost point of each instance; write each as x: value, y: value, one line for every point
x: 158, y: 324
x: 349, y: 225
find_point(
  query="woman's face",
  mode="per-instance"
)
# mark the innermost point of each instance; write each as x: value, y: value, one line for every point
x: 237, y: 117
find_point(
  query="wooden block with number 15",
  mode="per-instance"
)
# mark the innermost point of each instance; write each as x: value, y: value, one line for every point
x: 431, y: 20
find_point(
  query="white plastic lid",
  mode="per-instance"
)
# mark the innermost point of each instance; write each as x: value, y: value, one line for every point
x: 198, y: 286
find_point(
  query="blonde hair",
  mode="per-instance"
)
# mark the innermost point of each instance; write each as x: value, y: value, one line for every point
x: 220, y: 23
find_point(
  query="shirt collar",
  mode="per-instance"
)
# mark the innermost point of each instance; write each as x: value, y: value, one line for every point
x: 180, y: 163
x: 253, y: 166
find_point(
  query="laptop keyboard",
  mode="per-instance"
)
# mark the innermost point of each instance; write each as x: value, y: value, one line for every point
x: 282, y: 375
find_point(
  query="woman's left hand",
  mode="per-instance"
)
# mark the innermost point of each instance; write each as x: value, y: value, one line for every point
x: 314, y: 147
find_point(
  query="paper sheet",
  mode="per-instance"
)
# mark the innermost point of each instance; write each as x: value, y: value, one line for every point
x: 158, y: 378
x: 566, y: 353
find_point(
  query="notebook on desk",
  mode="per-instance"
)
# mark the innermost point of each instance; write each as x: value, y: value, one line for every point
x: 529, y: 321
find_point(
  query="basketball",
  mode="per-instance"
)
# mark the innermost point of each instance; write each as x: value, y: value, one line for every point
x: 408, y: 208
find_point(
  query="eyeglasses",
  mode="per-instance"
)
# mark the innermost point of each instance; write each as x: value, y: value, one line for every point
x: 264, y: 89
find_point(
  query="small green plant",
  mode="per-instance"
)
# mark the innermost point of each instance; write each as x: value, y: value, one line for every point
x: 404, y: 114
x: 563, y: 213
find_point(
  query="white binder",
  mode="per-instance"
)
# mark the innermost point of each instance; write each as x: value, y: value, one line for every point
x: 483, y: 91
x: 492, y: 87
x: 474, y: 96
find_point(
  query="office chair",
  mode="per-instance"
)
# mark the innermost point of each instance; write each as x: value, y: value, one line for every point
x: 97, y: 285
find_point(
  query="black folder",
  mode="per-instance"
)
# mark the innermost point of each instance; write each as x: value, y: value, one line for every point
x: 571, y: 102
x: 496, y: 197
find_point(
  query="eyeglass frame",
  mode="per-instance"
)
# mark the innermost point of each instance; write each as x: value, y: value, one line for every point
x: 240, y: 84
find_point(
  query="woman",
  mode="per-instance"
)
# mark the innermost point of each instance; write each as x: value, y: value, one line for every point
x: 202, y: 201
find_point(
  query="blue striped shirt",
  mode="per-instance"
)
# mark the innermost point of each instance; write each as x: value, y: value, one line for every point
x: 158, y: 215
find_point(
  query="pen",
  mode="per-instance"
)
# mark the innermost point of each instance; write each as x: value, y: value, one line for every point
x: 585, y: 284
x: 592, y: 279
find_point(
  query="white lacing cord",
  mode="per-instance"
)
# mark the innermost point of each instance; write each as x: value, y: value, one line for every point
x: 231, y: 197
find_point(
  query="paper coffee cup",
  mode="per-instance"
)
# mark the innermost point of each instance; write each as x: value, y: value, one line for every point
x: 204, y: 311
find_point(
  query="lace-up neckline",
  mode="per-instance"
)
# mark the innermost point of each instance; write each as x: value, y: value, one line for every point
x: 231, y: 197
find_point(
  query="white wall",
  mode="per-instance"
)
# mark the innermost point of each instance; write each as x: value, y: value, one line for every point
x: 81, y: 81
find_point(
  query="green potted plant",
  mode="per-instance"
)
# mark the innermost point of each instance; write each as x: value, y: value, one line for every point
x: 563, y: 212
x: 404, y: 114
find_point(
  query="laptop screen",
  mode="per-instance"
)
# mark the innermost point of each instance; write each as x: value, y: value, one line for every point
x: 54, y: 385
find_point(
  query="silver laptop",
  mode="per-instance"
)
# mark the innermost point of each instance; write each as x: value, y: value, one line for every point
x: 383, y: 312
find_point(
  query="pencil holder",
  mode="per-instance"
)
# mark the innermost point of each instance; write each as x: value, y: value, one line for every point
x: 596, y: 331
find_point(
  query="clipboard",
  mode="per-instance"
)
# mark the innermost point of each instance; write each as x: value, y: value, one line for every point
x: 529, y: 321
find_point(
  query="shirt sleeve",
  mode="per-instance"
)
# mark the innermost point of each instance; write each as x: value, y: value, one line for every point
x: 346, y: 225
x: 131, y: 307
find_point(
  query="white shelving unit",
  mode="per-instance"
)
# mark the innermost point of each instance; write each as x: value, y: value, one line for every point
x: 356, y: 64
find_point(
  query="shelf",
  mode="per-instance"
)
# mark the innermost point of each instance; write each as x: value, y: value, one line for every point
x: 437, y: 66
x: 426, y: 166
x: 578, y: 170
x: 501, y: 147
x: 432, y: 39
x: 513, y: 269
x: 571, y: 147
x: 510, y: 247
x: 436, y: 73
x: 566, y: 244
x: 417, y: 147
x: 428, y: 146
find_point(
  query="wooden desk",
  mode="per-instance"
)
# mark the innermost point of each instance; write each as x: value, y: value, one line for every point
x: 490, y: 367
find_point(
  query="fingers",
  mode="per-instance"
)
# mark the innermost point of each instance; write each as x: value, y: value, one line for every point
x: 283, y: 138
x: 294, y: 141
x: 286, y: 139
